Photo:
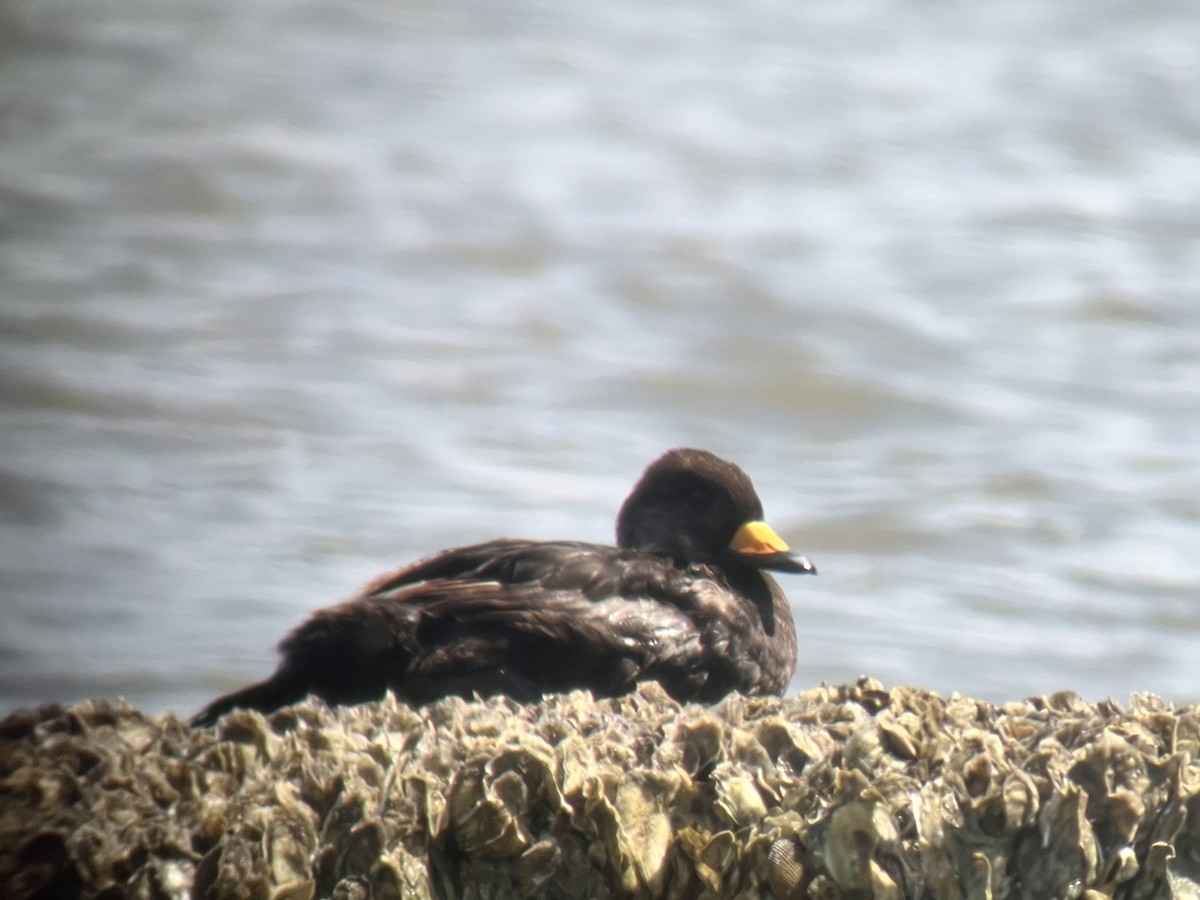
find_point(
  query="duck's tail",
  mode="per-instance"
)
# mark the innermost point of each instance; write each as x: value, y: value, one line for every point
x: 344, y: 654
x: 267, y: 696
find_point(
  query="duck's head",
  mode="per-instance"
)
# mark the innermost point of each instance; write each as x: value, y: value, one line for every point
x: 699, y: 508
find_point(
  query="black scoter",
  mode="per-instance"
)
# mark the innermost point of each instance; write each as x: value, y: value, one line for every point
x: 683, y: 599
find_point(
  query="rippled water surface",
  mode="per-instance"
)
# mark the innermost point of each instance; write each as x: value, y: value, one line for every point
x: 291, y: 293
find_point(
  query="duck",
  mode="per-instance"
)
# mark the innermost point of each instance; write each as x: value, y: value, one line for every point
x: 684, y: 598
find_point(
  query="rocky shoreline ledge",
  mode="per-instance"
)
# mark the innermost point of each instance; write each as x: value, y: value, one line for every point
x: 850, y: 791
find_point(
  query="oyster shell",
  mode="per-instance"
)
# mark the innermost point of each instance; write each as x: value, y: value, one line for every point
x: 844, y: 791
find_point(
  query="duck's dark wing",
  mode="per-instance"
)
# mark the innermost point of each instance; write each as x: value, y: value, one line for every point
x: 597, y: 568
x: 521, y: 618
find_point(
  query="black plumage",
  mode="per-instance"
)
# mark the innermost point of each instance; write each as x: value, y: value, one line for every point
x: 683, y: 599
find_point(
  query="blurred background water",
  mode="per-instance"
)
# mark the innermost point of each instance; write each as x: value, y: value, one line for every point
x: 294, y: 292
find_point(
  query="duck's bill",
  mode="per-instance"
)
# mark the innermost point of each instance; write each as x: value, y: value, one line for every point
x: 758, y: 544
x: 782, y: 562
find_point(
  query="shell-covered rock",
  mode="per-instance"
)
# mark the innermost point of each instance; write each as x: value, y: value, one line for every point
x: 851, y: 791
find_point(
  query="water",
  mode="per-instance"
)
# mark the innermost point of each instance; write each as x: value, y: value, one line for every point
x: 291, y: 293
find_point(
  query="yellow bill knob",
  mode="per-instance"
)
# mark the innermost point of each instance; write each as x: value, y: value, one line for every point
x: 756, y: 538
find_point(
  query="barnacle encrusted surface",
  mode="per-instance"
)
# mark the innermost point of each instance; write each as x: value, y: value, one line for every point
x: 850, y: 791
